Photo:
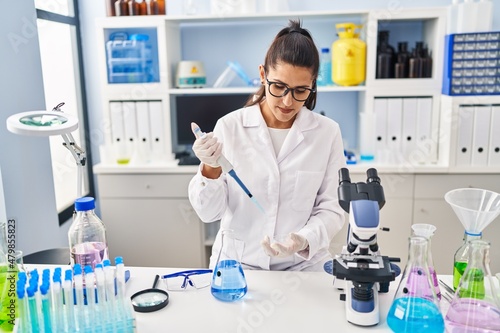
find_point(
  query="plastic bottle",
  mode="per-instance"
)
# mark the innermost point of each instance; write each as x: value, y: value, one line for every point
x: 451, y: 20
x: 348, y: 56
x: 87, y: 235
x: 325, y: 68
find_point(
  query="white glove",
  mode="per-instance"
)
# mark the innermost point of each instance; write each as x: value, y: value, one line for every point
x: 293, y: 243
x: 208, y: 150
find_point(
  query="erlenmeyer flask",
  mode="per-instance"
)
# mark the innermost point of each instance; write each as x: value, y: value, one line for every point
x: 476, y: 209
x: 427, y: 231
x: 415, y: 307
x: 475, y: 307
x: 462, y: 256
x: 228, y: 281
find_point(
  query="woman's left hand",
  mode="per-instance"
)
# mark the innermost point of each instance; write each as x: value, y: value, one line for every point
x: 292, y: 244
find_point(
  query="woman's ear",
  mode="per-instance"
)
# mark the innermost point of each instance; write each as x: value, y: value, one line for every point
x: 262, y: 74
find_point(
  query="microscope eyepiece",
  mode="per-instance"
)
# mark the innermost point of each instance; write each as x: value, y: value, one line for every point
x: 372, y: 176
x: 344, y: 176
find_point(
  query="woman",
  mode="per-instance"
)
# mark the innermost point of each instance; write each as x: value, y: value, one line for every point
x: 287, y: 156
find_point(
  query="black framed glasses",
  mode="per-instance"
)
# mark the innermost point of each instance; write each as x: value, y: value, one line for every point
x: 278, y: 89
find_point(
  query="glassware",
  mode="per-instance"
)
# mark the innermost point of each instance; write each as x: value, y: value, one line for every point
x: 385, y: 56
x: 228, y: 281
x: 87, y: 235
x: 476, y: 209
x: 475, y: 307
x: 403, y: 61
x: 427, y: 231
x: 461, y: 257
x: 415, y: 307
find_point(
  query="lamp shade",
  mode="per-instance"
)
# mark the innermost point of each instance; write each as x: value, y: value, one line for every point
x: 42, y: 123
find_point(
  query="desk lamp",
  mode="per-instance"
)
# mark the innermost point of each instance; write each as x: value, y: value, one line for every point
x: 47, y: 123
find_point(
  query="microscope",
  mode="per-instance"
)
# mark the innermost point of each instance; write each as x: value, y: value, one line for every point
x: 360, y: 265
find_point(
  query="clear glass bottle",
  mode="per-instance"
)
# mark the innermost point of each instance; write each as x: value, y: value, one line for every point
x: 427, y: 231
x: 475, y: 306
x: 415, y: 307
x: 87, y: 235
x: 462, y: 256
x: 325, y: 68
x: 228, y: 280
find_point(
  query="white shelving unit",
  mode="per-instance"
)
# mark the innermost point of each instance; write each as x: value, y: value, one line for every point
x: 187, y: 38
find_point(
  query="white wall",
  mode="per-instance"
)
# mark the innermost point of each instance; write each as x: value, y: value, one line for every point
x: 25, y: 161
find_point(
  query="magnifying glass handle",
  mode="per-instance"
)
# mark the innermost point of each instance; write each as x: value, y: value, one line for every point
x: 157, y: 277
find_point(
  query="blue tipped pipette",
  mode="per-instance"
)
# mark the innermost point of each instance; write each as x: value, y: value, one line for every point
x: 228, y: 168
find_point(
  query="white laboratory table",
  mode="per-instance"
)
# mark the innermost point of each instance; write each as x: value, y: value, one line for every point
x: 284, y: 302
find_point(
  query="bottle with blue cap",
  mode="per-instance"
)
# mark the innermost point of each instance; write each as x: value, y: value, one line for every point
x: 87, y: 235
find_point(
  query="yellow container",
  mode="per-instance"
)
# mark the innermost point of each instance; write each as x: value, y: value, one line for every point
x: 348, y: 56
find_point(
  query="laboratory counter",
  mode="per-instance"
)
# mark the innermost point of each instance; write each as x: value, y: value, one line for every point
x: 276, y: 301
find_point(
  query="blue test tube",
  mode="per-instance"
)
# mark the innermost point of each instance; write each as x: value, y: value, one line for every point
x: 79, y: 305
x: 69, y: 302
x: 24, y: 312
x: 124, y: 304
x: 47, y: 323
x: 92, y: 317
x: 57, y: 302
x: 110, y: 296
x: 33, y: 309
x: 102, y: 302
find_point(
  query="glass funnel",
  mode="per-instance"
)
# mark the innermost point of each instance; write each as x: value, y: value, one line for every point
x: 415, y: 307
x: 228, y: 280
x: 427, y: 231
x: 475, y: 308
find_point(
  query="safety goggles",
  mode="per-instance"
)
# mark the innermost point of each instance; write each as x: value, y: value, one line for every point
x: 195, y: 278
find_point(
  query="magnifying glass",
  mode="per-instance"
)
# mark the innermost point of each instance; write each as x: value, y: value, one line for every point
x: 151, y: 299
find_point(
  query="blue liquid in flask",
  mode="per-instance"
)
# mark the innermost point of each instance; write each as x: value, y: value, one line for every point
x: 228, y: 282
x: 415, y: 314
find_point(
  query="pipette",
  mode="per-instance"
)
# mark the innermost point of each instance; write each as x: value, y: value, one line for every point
x: 228, y: 168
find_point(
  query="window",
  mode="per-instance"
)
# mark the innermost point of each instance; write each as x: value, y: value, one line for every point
x: 60, y: 49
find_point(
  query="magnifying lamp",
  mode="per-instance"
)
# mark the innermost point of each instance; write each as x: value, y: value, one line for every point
x: 47, y: 123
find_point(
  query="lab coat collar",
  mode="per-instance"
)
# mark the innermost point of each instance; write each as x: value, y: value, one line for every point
x: 305, y: 121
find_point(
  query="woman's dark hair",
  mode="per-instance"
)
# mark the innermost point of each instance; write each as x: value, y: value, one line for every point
x: 292, y: 45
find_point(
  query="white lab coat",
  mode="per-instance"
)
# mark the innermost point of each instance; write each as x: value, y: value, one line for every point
x: 297, y: 189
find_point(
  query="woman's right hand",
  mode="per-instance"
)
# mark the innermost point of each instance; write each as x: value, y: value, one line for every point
x: 208, y: 150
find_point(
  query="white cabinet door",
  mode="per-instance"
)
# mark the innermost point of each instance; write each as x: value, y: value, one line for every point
x: 154, y: 232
